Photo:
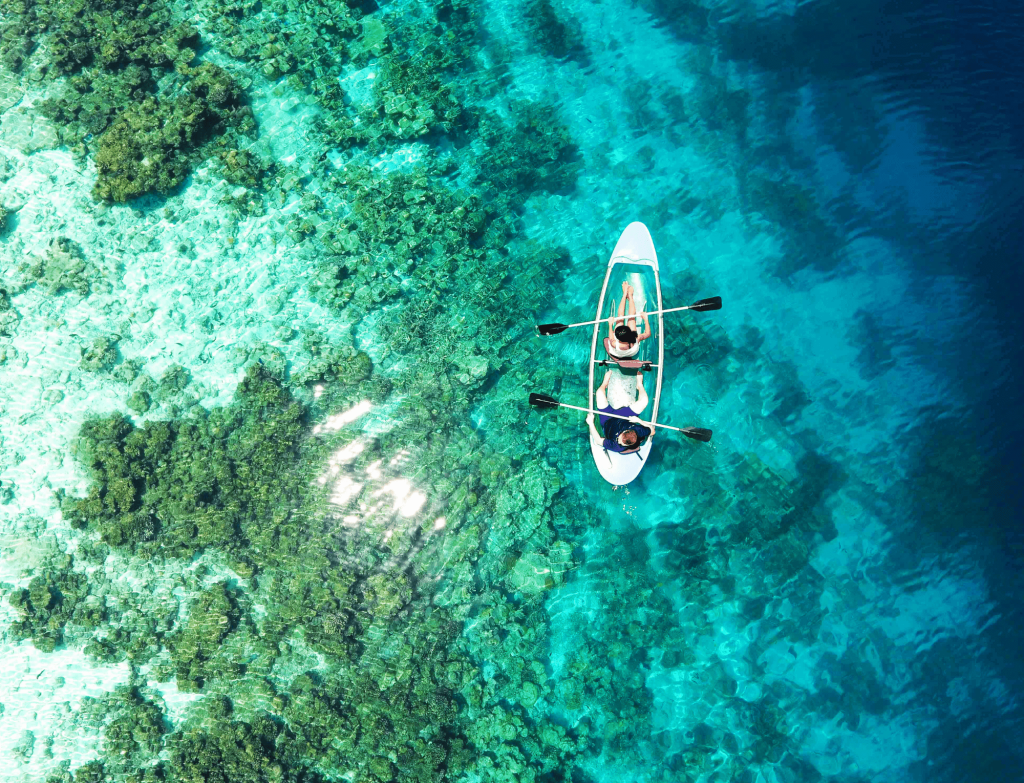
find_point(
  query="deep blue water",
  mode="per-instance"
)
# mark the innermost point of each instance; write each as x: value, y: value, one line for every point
x: 905, y: 120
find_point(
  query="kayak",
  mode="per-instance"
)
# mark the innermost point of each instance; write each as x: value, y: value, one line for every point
x: 633, y: 261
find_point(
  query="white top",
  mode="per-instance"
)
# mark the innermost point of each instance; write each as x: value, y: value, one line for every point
x: 623, y: 354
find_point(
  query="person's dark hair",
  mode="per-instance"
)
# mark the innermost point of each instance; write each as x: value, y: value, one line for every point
x: 629, y: 437
x: 624, y: 334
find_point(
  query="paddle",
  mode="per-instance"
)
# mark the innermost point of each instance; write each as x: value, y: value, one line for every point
x: 544, y: 401
x: 714, y: 303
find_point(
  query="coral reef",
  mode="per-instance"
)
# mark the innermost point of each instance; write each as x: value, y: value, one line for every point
x: 131, y: 90
x: 260, y: 751
x: 556, y: 37
x: 256, y: 751
x: 212, y: 616
x: 109, y: 35
x: 279, y: 39
x: 8, y: 318
x: 152, y: 145
x: 134, y: 725
x: 139, y: 402
x: 338, y: 361
x: 62, y: 268
x: 178, y: 487
x: 86, y: 104
x: 101, y: 355
x: 246, y: 167
x: 536, y: 154
x: 48, y: 603
x: 412, y: 98
x: 405, y: 725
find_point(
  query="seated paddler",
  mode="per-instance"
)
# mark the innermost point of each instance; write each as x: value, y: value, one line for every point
x: 623, y: 341
x: 623, y: 435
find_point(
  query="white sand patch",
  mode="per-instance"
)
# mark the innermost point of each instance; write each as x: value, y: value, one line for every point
x: 41, y: 693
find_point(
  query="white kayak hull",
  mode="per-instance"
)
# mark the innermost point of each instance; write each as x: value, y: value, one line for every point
x: 633, y: 259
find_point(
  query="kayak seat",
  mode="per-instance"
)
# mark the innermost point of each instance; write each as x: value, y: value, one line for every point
x: 625, y: 364
x: 631, y: 364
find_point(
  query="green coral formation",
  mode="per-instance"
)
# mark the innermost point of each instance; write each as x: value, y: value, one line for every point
x: 129, y: 91
x: 387, y: 655
x: 246, y: 167
x: 389, y: 648
x: 556, y: 37
x: 108, y: 34
x: 412, y: 98
x: 134, y: 725
x: 90, y: 772
x: 62, y: 268
x: 86, y: 104
x: 151, y: 146
x: 536, y: 154
x: 416, y: 58
x: 339, y: 361
x: 212, y: 617
x: 48, y: 603
x: 256, y: 751
x: 174, y: 380
x: 181, y: 486
x: 9, y: 319
x: 439, y: 240
x: 101, y: 355
x: 260, y: 751
x: 279, y: 38
x: 139, y: 402
x: 404, y: 723
x: 68, y: 601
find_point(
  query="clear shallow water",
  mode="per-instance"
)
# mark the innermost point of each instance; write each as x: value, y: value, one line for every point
x: 827, y: 591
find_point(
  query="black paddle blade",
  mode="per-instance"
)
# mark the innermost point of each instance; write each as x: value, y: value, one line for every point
x: 714, y: 303
x: 697, y: 434
x: 547, y: 329
x: 543, y: 401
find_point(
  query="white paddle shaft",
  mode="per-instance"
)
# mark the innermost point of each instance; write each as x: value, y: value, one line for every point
x: 615, y: 416
x: 627, y: 316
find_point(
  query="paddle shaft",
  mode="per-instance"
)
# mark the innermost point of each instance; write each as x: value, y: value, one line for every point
x: 627, y: 317
x: 616, y: 416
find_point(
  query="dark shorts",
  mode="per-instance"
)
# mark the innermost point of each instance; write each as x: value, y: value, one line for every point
x: 626, y: 411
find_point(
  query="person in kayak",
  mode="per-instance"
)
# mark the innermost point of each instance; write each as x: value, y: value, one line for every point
x: 623, y: 339
x: 620, y: 435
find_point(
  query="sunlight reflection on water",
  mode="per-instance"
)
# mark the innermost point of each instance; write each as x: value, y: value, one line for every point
x: 339, y: 420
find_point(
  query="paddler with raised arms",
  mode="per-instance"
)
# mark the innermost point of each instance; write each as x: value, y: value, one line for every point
x: 623, y: 342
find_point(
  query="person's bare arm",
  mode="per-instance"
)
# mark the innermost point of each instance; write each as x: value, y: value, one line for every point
x: 647, y: 329
x: 594, y: 434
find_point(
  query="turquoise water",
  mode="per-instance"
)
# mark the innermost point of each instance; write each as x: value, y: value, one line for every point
x: 274, y: 506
